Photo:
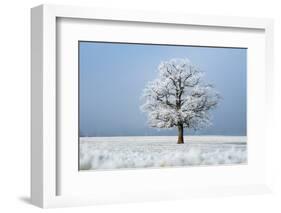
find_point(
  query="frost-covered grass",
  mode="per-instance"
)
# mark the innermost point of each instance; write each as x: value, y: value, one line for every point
x: 141, y: 152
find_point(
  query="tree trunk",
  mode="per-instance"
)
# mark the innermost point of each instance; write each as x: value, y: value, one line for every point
x: 180, y: 134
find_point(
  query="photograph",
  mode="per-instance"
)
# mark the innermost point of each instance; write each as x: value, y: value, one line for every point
x: 161, y: 105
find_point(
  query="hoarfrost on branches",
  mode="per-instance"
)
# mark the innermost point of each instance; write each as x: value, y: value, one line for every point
x: 179, y: 97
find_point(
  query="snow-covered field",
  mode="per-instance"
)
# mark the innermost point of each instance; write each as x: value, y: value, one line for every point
x: 140, y: 152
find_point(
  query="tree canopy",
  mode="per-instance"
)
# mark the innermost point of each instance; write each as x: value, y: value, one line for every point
x: 179, y: 97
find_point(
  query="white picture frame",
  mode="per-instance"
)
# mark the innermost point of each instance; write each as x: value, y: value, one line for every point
x: 45, y: 168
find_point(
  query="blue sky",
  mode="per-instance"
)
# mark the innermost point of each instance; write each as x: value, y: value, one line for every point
x: 113, y: 75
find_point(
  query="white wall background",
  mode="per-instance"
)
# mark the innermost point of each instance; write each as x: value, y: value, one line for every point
x: 15, y: 104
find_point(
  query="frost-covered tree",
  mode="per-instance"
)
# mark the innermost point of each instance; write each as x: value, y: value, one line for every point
x: 179, y: 98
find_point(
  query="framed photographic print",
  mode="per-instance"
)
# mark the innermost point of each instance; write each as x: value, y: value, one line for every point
x: 130, y: 106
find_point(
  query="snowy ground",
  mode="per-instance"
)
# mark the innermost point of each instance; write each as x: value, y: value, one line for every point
x: 141, y: 152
